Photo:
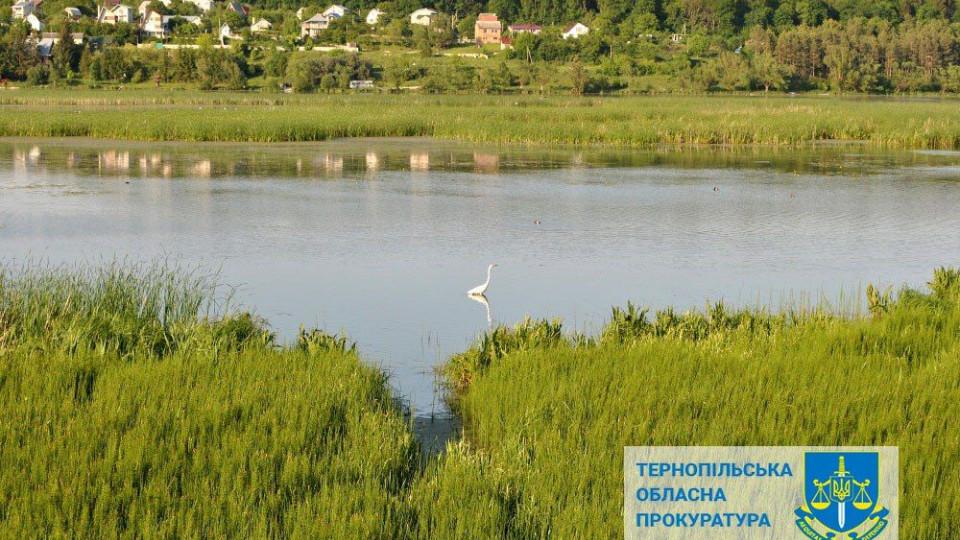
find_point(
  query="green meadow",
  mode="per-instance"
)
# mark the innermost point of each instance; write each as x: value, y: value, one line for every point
x: 190, y: 115
x: 137, y: 403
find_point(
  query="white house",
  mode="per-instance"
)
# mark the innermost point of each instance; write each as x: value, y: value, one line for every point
x: 314, y: 26
x: 260, y: 25
x: 373, y: 16
x: 576, y: 30
x: 158, y: 26
x: 153, y: 23
x: 23, y: 8
x: 144, y: 6
x: 423, y: 16
x: 35, y: 23
x: 115, y: 14
x: 204, y: 5
x: 72, y: 13
x: 227, y: 33
x: 336, y: 11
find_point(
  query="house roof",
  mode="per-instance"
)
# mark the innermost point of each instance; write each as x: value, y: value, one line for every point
x: 56, y: 35
x: 45, y: 47
x: 487, y: 17
x: 187, y: 18
x: 574, y: 25
x: 318, y: 18
x: 237, y: 7
x: 424, y: 11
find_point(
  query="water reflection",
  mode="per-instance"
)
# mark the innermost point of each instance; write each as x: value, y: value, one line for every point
x: 480, y: 298
x: 353, y: 159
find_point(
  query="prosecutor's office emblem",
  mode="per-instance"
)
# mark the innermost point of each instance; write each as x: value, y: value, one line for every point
x: 841, y: 492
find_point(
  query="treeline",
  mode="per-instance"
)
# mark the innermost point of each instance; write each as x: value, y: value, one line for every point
x: 207, y: 66
x: 638, y: 50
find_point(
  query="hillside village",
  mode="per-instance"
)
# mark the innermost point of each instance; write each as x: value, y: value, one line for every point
x: 401, y: 46
x: 180, y: 21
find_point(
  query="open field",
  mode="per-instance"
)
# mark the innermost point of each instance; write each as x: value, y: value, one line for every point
x: 134, y: 406
x: 152, y: 115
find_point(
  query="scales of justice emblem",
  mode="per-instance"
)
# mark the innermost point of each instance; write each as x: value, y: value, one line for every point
x: 840, y: 496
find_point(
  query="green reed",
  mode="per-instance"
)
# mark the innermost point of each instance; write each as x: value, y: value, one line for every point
x: 546, y: 425
x: 151, y: 115
x: 137, y: 402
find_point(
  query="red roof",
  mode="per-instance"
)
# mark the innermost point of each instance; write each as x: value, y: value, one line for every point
x: 490, y: 17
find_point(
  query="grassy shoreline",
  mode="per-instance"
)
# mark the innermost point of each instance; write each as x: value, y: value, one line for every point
x: 148, y: 115
x: 135, y: 405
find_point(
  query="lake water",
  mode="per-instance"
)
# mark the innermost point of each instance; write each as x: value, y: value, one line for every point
x: 382, y: 238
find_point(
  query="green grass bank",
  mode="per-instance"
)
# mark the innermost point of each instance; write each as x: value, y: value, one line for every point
x: 135, y: 405
x: 128, y: 412
x: 152, y: 115
x: 546, y: 416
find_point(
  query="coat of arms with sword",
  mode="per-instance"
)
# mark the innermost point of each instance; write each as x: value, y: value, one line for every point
x: 852, y: 487
x: 839, y: 486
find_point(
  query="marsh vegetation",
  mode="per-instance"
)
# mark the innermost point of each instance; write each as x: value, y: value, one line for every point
x: 136, y: 405
x: 638, y: 121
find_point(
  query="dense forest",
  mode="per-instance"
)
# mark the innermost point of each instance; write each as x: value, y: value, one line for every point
x: 634, y: 46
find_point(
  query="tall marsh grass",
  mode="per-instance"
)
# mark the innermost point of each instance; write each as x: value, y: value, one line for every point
x: 134, y: 405
x: 634, y: 121
x: 545, y: 425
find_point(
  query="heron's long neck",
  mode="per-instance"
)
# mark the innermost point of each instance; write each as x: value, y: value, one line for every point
x: 489, y: 269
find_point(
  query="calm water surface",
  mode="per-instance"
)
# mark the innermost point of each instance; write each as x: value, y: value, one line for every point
x: 382, y: 238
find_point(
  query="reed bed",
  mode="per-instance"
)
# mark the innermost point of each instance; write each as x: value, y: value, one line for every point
x: 138, y: 403
x: 130, y: 409
x: 627, y: 121
x: 547, y: 415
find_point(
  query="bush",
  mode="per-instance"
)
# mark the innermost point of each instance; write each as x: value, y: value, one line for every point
x: 38, y: 75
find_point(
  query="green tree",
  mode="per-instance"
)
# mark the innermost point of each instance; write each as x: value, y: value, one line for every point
x: 65, y: 57
x: 579, y: 77
x: 766, y: 71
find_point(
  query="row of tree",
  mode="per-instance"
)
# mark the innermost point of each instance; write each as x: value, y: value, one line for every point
x: 861, y: 55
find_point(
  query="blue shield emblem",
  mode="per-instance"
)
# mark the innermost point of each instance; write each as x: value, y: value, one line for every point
x: 841, y: 492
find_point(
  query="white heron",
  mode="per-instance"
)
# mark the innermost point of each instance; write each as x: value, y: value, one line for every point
x: 481, y: 289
